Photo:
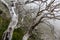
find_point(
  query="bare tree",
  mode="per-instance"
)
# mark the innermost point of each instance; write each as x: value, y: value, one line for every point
x: 47, y: 12
x: 14, y: 20
x: 39, y: 11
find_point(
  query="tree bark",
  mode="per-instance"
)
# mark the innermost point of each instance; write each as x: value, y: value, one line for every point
x: 7, y: 35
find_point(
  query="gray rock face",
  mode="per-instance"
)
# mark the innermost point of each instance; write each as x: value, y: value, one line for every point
x: 45, y: 32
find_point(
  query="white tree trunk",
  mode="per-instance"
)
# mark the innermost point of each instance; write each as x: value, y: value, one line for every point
x: 14, y: 20
x: 29, y: 32
x: 26, y: 36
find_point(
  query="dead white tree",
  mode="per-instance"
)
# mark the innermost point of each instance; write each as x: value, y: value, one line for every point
x: 14, y: 20
x: 40, y: 9
x: 46, y: 12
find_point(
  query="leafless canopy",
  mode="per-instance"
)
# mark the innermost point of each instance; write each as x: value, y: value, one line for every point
x: 43, y: 9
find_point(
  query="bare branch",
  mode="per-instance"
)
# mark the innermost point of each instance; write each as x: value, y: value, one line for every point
x: 3, y: 1
x: 47, y: 7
